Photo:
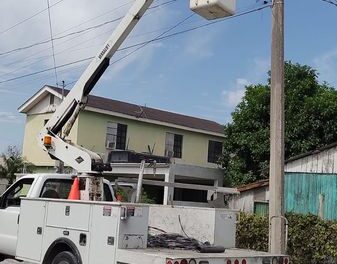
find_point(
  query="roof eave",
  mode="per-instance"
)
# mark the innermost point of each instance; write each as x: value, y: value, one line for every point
x: 26, y: 106
x: 152, y: 121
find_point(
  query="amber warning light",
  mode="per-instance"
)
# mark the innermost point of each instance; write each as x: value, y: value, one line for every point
x: 47, y: 141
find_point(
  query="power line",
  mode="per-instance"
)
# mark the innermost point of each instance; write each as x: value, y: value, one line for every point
x: 331, y: 2
x: 78, y: 35
x: 39, y: 59
x: 152, y: 40
x: 96, y: 17
x: 45, y: 70
x: 52, y: 42
x: 79, y: 31
x: 61, y: 37
x: 143, y: 43
x: 29, y: 18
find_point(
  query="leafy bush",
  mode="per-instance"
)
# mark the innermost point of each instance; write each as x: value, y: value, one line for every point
x: 311, y: 240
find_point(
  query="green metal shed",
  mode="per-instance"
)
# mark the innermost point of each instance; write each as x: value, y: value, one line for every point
x: 314, y: 193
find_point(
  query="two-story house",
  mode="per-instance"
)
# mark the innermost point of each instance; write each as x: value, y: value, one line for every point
x: 192, y: 144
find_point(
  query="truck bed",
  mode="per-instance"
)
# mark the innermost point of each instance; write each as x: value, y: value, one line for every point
x: 160, y: 255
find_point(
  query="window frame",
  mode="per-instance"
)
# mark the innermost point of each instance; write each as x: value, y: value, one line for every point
x: 178, y: 146
x: 52, y: 99
x: 56, y: 181
x: 174, y: 143
x: 4, y: 197
x: 116, y: 133
x: 212, y: 156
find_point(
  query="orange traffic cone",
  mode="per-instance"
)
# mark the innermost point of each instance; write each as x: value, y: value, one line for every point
x: 75, y: 190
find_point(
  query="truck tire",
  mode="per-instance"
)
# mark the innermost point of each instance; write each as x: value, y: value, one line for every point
x: 65, y: 257
x: 2, y: 258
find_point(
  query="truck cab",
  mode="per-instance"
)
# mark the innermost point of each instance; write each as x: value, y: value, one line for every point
x: 54, y: 186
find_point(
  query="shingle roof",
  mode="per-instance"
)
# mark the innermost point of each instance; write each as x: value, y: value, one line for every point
x: 253, y: 185
x: 150, y: 113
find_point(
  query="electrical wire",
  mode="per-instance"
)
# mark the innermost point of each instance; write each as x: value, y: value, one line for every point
x: 143, y: 43
x: 45, y: 70
x: 39, y: 59
x: 172, y: 241
x: 330, y: 2
x: 52, y: 42
x: 61, y: 37
x: 79, y: 31
x: 29, y: 18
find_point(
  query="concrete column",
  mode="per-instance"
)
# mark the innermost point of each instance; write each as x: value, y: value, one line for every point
x: 321, y: 206
x: 169, y: 191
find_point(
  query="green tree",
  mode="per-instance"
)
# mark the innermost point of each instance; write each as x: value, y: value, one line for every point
x: 12, y: 162
x: 311, y: 122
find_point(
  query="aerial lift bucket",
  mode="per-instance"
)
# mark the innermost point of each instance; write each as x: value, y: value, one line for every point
x: 213, y: 9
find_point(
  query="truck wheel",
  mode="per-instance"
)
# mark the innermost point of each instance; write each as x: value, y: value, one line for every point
x: 65, y: 257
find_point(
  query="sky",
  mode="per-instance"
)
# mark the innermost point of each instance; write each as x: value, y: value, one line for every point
x: 201, y: 73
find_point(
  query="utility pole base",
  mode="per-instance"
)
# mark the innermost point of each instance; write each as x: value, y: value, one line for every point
x: 91, y: 187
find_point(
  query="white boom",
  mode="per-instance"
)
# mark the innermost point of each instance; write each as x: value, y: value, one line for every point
x: 87, y: 163
x: 83, y: 160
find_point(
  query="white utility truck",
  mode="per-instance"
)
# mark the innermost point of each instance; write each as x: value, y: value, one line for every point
x: 55, y: 186
x: 39, y: 225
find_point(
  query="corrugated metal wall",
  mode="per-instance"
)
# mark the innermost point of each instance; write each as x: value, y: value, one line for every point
x: 303, y: 190
x: 321, y: 162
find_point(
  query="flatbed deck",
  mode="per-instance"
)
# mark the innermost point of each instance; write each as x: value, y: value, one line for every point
x: 160, y: 255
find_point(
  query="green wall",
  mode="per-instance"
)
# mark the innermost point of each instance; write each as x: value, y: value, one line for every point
x: 140, y: 134
x: 302, y: 191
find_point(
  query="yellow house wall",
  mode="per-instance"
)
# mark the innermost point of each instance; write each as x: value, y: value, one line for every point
x: 31, y: 150
x: 92, y: 135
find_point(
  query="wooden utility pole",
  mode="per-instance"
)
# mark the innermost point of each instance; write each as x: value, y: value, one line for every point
x: 276, y: 182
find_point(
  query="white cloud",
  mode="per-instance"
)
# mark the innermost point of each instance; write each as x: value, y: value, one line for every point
x: 9, y: 117
x: 327, y: 66
x: 199, y: 46
x: 68, y: 16
x: 257, y: 73
x: 232, y: 97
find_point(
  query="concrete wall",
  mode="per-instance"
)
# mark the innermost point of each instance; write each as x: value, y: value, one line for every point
x: 31, y: 150
x: 92, y: 135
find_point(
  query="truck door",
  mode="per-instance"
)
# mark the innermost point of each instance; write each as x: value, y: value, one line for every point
x: 9, y: 215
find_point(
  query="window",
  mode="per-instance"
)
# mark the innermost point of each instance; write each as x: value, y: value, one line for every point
x: 56, y: 188
x: 45, y: 121
x: 214, y: 151
x: 107, y: 195
x: 116, y: 136
x: 13, y: 196
x: 173, y: 145
x: 261, y: 208
x: 51, y: 99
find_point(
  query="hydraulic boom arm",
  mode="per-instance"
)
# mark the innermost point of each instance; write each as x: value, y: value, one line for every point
x: 88, y: 164
x: 83, y: 160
